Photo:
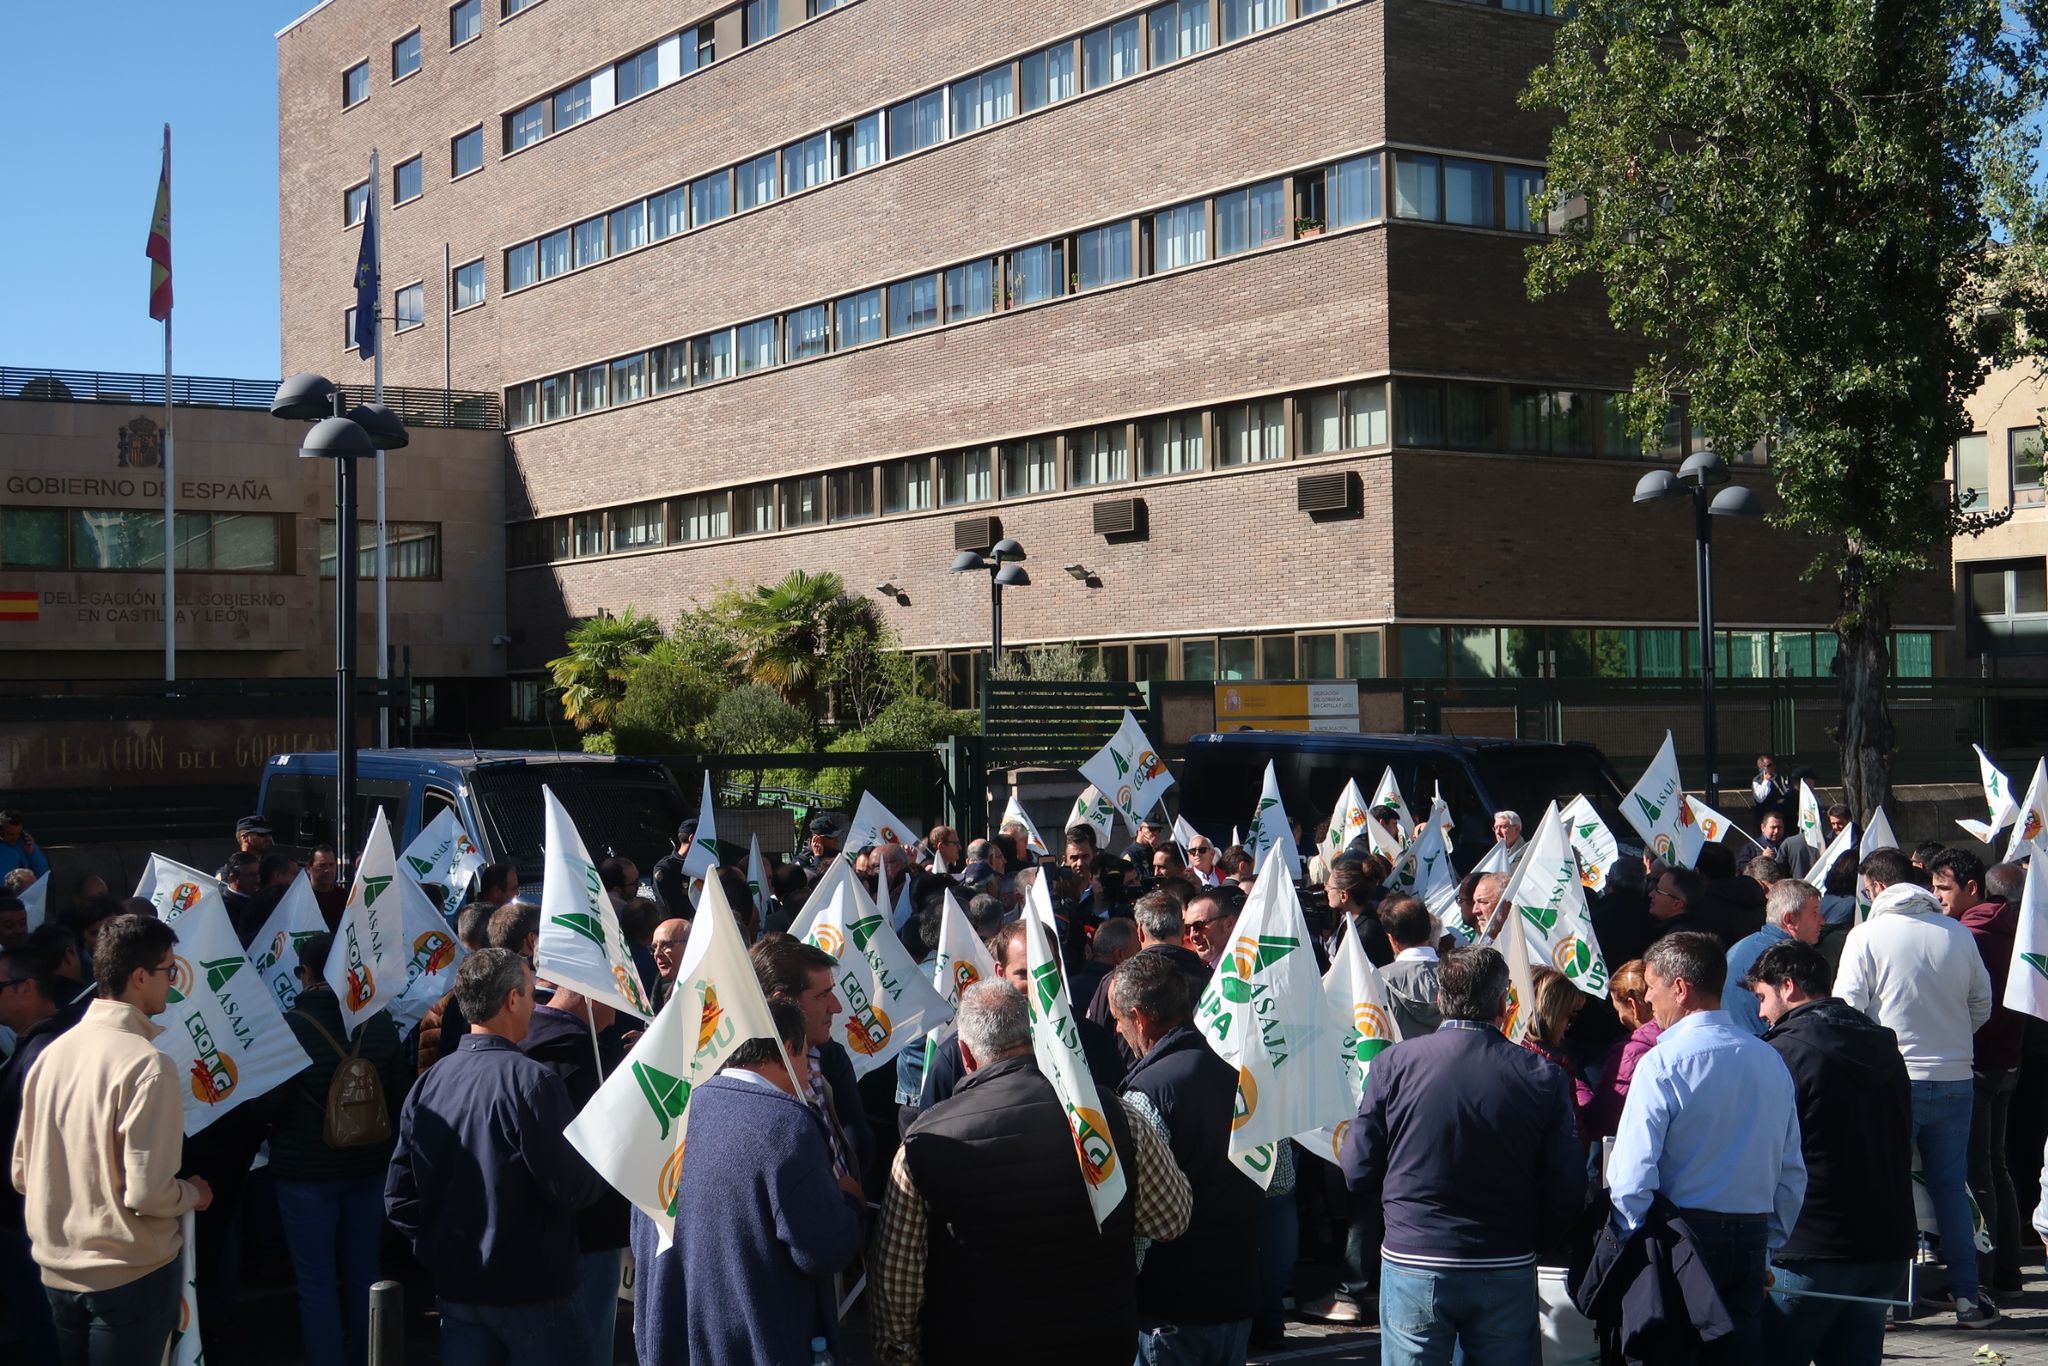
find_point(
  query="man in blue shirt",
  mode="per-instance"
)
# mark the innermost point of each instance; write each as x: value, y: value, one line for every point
x: 1791, y: 911
x: 1712, y: 1124
x: 18, y: 847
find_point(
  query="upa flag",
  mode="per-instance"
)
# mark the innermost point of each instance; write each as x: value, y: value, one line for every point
x: 1546, y: 892
x: 887, y: 1001
x: 1388, y: 793
x: 1713, y: 826
x: 1809, y: 815
x: 632, y: 1130
x: 171, y: 886
x: 2032, y: 818
x: 222, y: 1032
x: 1997, y: 797
x: 1014, y: 814
x: 757, y: 876
x: 1514, y: 947
x: 1269, y: 832
x: 1349, y: 819
x: 443, y: 853
x: 1592, y: 841
x: 1129, y: 772
x: 1837, y: 847
x: 703, y: 860
x: 581, y: 945
x: 1056, y: 1046
x: 961, y: 960
x: 432, y: 955
x: 1425, y: 871
x: 366, y: 966
x: 275, y: 952
x: 874, y: 823
x: 2026, y: 986
x: 1656, y: 807
x: 1093, y: 810
x: 1361, y: 1028
x: 35, y: 899
x: 158, y: 247
x: 1264, y: 1012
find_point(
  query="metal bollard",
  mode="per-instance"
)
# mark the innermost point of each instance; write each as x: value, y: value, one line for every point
x: 387, y: 1324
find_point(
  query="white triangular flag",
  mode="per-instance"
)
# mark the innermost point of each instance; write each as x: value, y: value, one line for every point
x: 171, y: 886
x: 222, y: 1032
x: 874, y: 823
x: 887, y: 1002
x: 1442, y: 811
x: 2031, y: 819
x: 1425, y: 871
x: 581, y: 945
x: 186, y: 1349
x: 1877, y: 834
x: 1713, y: 826
x: 1362, y: 1017
x: 1810, y: 825
x: 274, y: 953
x: 1184, y: 834
x: 35, y: 899
x: 1093, y: 810
x: 1497, y: 860
x: 961, y: 960
x: 1348, y: 821
x: 1656, y: 807
x: 432, y: 955
x: 757, y: 875
x: 1546, y: 892
x: 1997, y: 800
x: 443, y: 853
x: 1056, y: 1047
x: 1270, y: 832
x: 2026, y: 986
x: 1514, y: 947
x: 1592, y: 841
x: 1014, y: 814
x: 366, y: 966
x: 705, y: 856
x: 1388, y: 793
x: 1817, y: 875
x: 1129, y: 771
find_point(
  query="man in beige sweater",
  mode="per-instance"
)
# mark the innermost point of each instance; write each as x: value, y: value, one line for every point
x: 97, y: 1156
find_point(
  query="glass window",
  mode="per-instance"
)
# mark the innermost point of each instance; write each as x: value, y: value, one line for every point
x: 465, y: 154
x: 586, y: 533
x: 32, y: 538
x: 671, y: 367
x: 807, y: 163
x: 1237, y: 658
x: 1314, y: 6
x: 807, y: 332
x: 465, y: 21
x: 1030, y: 467
x: 917, y: 123
x: 1347, y: 419
x: 857, y: 319
x: 710, y: 198
x: 1418, y: 191
x: 706, y: 50
x: 512, y: 7
x: 1100, y: 455
x: 1037, y: 273
x: 355, y: 203
x: 590, y: 242
x: 1468, y: 193
x: 348, y: 329
x: 554, y: 253
x: 1276, y: 657
x: 1912, y: 654
x: 1102, y: 256
x: 711, y: 357
x: 1422, y: 651
x: 524, y: 127
x: 1178, y: 30
x: 803, y: 501
x: 702, y: 517
x: 913, y: 305
x: 1620, y: 441
x: 1973, y: 472
x: 522, y: 405
x: 981, y: 100
x: 468, y: 285
x: 2023, y: 449
x: 628, y: 227
x: 850, y: 495
x: 116, y: 540
x: 411, y: 309
x: 590, y: 388
x: 1523, y: 193
x: 857, y: 146
x: 1198, y: 660
x: 907, y: 485
x: 759, y: 19
x: 572, y: 106
x: 1242, y: 18
x: 1046, y: 77
x: 1550, y: 422
x: 756, y: 181
x: 667, y: 213
x: 555, y: 538
x: 629, y: 378
x: 246, y: 542
x: 637, y: 528
x: 1249, y: 218
x: 1250, y: 433
x: 405, y: 59
x: 1172, y: 445
x: 1475, y: 652
x: 406, y: 179
x: 966, y: 477
x: 555, y: 395
x: 1471, y: 417
x: 637, y: 74
x: 355, y: 84
x: 1419, y: 413
x: 970, y: 290
x: 756, y: 342
x: 1355, y: 191
x: 1110, y: 54
x: 754, y: 508
x: 1362, y: 654
x: 1180, y: 237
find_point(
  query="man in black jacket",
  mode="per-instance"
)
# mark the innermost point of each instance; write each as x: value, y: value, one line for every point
x: 1856, y: 1230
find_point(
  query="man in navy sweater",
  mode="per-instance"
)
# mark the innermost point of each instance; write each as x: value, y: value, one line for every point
x: 1471, y: 1146
x: 486, y: 1188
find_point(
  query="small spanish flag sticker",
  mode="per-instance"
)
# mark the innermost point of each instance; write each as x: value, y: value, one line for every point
x: 18, y: 607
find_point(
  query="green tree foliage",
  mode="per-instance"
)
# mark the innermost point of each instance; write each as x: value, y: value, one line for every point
x: 1060, y: 663
x: 787, y: 629
x: 602, y: 653
x: 1801, y: 205
x: 755, y: 720
x: 668, y: 698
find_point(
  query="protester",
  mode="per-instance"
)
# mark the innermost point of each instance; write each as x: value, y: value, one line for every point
x: 1629, y: 992
x: 18, y: 847
x: 1839, y: 818
x: 497, y: 884
x: 252, y: 835
x: 1678, y: 904
x: 1790, y: 849
x: 484, y: 1186
x: 1350, y: 898
x: 1557, y: 1002
x: 514, y: 927
x: 804, y: 975
x: 323, y: 873
x: 1207, y: 921
x: 1157, y: 918
x: 1791, y: 911
x: 820, y: 848
x: 37, y: 1010
x: 670, y: 938
x: 1489, y: 907
x: 1507, y: 832
x: 1768, y: 790
x: 96, y: 1157
x: 1411, y: 979
x: 1114, y: 940
x: 1731, y: 902
x: 13, y: 923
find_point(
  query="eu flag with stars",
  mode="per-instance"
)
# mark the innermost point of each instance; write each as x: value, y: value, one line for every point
x: 366, y: 289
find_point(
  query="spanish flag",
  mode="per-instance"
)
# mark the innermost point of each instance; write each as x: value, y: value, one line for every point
x: 19, y: 607
x: 159, y: 248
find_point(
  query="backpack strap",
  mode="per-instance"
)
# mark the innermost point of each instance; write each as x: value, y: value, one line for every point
x: 343, y: 1053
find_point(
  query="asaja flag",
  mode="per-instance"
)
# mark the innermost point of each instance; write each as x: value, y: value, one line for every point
x: 1388, y: 793
x: 275, y: 952
x: 1056, y: 1046
x: 366, y: 966
x: 1997, y: 799
x: 1837, y: 848
x: 757, y: 875
x: 1592, y: 841
x: 1348, y: 821
x: 874, y: 823
x: 1093, y: 810
x: 1713, y: 826
x: 703, y: 860
x: 1129, y: 772
x: 171, y: 886
x: 2031, y: 821
x: 2026, y: 986
x: 1362, y: 1027
x: 1546, y: 893
x: 1014, y: 814
x: 581, y: 945
x: 632, y: 1130
x: 960, y: 960
x: 1521, y: 982
x: 1497, y: 860
x: 35, y: 899
x: 1269, y: 832
x: 442, y: 854
x: 433, y: 953
x: 222, y: 1032
x: 1656, y: 807
x: 887, y: 1001
x: 1425, y: 871
x: 158, y: 248
x: 1809, y: 815
x: 1264, y: 1013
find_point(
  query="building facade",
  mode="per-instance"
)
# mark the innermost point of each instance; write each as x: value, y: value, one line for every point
x: 2002, y: 574
x: 1216, y: 306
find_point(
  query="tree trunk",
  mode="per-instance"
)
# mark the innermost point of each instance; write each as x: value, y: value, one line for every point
x: 1865, y: 735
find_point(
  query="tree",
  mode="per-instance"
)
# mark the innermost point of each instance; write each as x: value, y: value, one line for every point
x: 1800, y: 204
x: 668, y: 698
x: 603, y: 650
x: 755, y: 720
x: 786, y: 628
x: 1059, y: 663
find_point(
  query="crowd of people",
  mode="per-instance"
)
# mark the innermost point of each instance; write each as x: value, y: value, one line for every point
x: 1723, y: 1152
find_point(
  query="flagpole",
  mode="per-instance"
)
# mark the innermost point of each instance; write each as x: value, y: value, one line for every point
x: 170, y: 487
x: 383, y: 562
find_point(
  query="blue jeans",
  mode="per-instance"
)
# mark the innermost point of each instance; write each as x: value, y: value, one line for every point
x: 544, y: 1334
x: 1279, y: 1248
x: 332, y: 1230
x: 1192, y: 1344
x: 1488, y: 1316
x: 1732, y: 1247
x: 1941, y: 1129
x: 1829, y: 1332
x: 120, y: 1327
x: 597, y: 1300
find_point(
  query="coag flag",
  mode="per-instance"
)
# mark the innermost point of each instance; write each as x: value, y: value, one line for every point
x: 433, y: 953
x: 222, y: 1032
x: 2031, y: 820
x: 443, y: 853
x: 2026, y: 986
x: 757, y: 875
x: 1514, y: 947
x: 581, y: 945
x: 172, y: 886
x: 889, y: 1003
x: 1056, y: 1046
x: 35, y: 899
x: 1348, y: 820
x: 1361, y: 1027
x: 705, y: 856
x: 1656, y: 807
x: 1425, y: 871
x: 1034, y: 843
x: 1592, y: 841
x: 1388, y: 793
x: 1129, y: 772
x: 158, y: 248
x: 275, y: 952
x: 632, y: 1130
x: 874, y: 823
x: 1264, y: 1013
x: 1810, y: 826
x: 1997, y: 798
x: 366, y: 966
x: 1545, y: 891
x: 186, y: 1349
x: 1830, y: 856
x: 961, y: 960
x: 1092, y: 809
x: 1269, y: 832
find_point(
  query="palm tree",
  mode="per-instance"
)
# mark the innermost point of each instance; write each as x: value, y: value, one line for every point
x: 603, y: 652
x: 784, y: 630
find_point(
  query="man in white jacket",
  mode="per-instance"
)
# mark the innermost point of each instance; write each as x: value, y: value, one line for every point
x: 1917, y: 973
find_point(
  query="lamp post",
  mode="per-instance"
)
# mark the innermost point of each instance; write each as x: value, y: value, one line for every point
x: 1701, y: 472
x: 1004, y: 571
x: 343, y: 435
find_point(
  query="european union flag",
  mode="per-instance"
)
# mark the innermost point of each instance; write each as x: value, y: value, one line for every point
x: 366, y: 289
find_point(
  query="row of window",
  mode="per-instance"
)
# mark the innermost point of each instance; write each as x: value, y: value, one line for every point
x: 409, y: 302
x: 465, y: 23
x: 408, y: 177
x: 2023, y: 465
x: 126, y: 539
x: 412, y: 550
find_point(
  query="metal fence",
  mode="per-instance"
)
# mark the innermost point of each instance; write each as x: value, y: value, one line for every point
x: 415, y: 407
x: 776, y: 795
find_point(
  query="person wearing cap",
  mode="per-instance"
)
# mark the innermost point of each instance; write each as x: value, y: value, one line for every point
x: 1151, y: 834
x: 252, y: 835
x: 671, y: 883
x: 819, y: 849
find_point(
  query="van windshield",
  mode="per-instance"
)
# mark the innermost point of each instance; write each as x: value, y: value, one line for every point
x: 623, y: 810
x: 1527, y: 780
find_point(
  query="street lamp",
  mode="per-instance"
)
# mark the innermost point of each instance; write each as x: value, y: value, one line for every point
x: 343, y: 435
x: 1701, y: 472
x: 1004, y: 571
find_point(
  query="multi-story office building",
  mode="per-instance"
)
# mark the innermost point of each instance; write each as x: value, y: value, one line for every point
x: 1217, y: 305
x: 2002, y: 575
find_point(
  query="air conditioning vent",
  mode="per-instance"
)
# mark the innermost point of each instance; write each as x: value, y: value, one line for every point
x: 977, y: 533
x: 1335, y: 492
x: 1119, y: 516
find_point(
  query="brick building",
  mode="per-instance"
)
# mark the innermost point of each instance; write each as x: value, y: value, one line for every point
x: 1217, y: 305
